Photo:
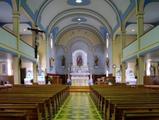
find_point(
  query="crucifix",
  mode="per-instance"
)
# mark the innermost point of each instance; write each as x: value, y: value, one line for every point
x: 36, y: 39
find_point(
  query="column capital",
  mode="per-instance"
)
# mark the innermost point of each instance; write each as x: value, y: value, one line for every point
x: 139, y: 13
x: 16, y: 14
x: 123, y: 32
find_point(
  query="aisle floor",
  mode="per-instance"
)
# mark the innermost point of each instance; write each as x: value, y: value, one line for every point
x: 78, y: 106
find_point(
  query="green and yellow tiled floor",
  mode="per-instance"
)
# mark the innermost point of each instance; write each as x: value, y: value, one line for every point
x: 78, y: 106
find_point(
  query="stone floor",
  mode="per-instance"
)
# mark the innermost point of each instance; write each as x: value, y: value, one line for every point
x: 78, y: 106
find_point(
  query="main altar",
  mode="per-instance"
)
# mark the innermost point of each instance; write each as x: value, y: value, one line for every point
x: 79, y: 72
x: 80, y: 76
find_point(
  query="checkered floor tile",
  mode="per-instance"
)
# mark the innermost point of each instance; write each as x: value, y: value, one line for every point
x: 78, y: 106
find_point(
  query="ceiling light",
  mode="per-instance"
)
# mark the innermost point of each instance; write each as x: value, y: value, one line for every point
x: 133, y: 30
x: 24, y: 29
x: 78, y: 1
x: 79, y: 19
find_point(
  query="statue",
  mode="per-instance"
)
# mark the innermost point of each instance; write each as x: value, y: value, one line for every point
x: 79, y: 61
x: 51, y: 61
x: 63, y: 61
x: 152, y: 70
x: 107, y: 62
x: 96, y: 61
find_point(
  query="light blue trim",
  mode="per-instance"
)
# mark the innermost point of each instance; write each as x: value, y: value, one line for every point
x: 129, y: 9
x: 55, y: 31
x: 103, y: 31
x: 28, y: 10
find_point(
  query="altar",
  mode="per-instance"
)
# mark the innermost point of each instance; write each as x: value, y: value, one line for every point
x: 79, y: 72
x: 79, y: 79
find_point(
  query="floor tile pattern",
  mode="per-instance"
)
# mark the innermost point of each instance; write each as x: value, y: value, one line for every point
x: 78, y: 106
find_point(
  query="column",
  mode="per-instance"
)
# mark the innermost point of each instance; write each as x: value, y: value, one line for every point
x: 140, y: 70
x: 140, y: 18
x: 16, y: 59
x: 35, y: 73
x: 123, y: 74
x: 47, y: 55
x: 140, y: 31
x: 123, y: 65
x: 16, y: 69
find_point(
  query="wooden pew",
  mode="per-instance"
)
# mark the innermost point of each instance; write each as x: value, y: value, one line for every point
x: 33, y: 109
x: 41, y: 103
x: 108, y: 100
x: 46, y: 97
x: 14, y: 115
x: 137, y: 115
x: 120, y: 109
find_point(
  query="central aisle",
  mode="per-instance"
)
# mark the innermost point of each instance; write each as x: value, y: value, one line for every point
x: 78, y: 106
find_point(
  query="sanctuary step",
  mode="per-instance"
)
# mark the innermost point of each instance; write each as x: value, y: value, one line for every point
x: 79, y: 89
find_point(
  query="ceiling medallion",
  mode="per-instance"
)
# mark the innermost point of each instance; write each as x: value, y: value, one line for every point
x: 79, y: 19
x: 78, y: 2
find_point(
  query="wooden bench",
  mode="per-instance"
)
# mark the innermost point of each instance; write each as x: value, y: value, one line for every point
x: 14, y: 115
x: 43, y: 99
x: 110, y: 99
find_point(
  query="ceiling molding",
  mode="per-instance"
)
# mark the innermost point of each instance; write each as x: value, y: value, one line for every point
x: 85, y: 12
x: 114, y: 7
x: 110, y: 3
x: 14, y: 5
x: 46, y: 3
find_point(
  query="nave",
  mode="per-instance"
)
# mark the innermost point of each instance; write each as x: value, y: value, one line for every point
x: 56, y: 102
x: 78, y: 106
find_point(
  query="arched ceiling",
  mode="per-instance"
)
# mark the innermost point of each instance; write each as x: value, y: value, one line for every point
x: 79, y: 21
x: 149, y: 13
x: 106, y: 14
x: 78, y: 33
x: 151, y: 19
x: 77, y: 27
x: 100, y: 15
x: 7, y: 15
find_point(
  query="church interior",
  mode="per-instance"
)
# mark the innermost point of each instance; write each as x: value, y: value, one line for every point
x: 79, y: 60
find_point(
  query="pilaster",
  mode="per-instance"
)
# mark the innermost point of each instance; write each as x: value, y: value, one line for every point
x: 140, y: 31
x: 16, y: 59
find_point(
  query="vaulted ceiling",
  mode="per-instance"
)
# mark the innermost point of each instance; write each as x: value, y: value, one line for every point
x: 101, y: 16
